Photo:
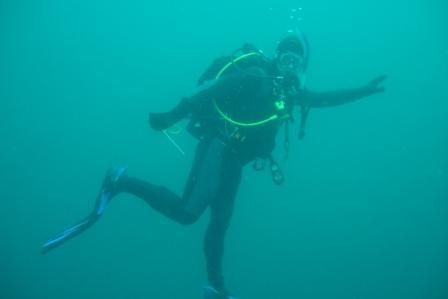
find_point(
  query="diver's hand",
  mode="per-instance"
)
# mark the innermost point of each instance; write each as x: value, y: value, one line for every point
x: 160, y: 121
x: 374, y: 86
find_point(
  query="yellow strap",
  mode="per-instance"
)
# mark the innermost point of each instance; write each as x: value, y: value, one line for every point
x: 175, y: 129
x: 234, y: 61
x: 241, y: 124
x: 226, y: 117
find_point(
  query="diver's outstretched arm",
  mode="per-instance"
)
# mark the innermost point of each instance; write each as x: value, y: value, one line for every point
x: 340, y: 97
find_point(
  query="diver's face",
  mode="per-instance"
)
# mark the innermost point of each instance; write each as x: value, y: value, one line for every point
x: 289, y: 63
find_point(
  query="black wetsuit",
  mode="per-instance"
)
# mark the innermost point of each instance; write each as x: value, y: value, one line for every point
x: 222, y: 152
x: 213, y: 182
x: 216, y: 172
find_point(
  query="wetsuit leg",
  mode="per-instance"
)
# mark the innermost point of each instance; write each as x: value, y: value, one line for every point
x: 201, y: 188
x: 213, y: 181
x: 221, y: 209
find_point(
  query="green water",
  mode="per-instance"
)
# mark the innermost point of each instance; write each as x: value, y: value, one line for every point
x: 363, y: 213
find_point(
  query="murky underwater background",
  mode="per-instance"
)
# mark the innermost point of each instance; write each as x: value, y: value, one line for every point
x: 364, y: 211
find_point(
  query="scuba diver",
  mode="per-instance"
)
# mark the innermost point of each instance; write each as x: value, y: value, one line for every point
x: 241, y: 102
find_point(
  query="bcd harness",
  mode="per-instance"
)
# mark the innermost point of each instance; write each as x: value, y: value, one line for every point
x: 280, y: 107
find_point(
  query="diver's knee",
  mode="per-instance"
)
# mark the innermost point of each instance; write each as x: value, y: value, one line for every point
x: 188, y: 218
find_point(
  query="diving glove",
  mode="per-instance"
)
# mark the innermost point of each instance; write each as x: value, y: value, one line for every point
x: 162, y: 121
